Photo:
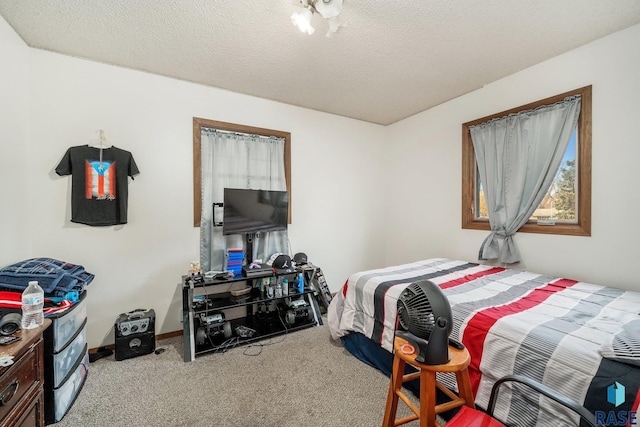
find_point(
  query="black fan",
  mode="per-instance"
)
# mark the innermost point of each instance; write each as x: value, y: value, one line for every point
x: 425, y: 315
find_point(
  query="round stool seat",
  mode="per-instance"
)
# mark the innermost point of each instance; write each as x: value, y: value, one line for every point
x: 459, y: 359
x: 426, y: 413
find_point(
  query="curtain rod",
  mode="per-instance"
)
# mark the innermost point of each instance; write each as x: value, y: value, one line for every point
x: 523, y: 112
x: 244, y: 134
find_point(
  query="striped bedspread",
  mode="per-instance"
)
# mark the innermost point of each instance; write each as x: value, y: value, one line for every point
x: 547, y: 328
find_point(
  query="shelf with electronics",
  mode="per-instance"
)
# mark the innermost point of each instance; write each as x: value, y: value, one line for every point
x: 249, y: 301
x: 222, y: 313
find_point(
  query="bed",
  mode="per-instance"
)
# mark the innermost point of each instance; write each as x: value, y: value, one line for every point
x: 554, y: 330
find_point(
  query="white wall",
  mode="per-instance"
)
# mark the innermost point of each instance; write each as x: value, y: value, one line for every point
x: 426, y: 173
x: 140, y: 264
x: 14, y: 145
x: 344, y: 174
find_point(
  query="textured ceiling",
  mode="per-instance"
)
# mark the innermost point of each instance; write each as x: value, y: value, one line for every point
x: 395, y: 58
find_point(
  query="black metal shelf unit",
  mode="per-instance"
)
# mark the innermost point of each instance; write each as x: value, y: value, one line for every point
x: 206, y: 329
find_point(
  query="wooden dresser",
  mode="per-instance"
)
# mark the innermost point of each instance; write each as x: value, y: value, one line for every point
x: 21, y: 383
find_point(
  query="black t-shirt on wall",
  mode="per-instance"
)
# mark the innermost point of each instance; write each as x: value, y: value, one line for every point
x: 99, y: 184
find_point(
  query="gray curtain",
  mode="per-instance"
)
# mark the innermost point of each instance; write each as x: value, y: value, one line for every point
x: 237, y: 161
x: 518, y: 157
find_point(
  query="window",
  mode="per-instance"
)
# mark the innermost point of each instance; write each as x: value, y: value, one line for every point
x: 560, y: 203
x: 567, y: 207
x: 198, y: 124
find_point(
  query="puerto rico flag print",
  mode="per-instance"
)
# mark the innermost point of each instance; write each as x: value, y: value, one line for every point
x: 100, y: 180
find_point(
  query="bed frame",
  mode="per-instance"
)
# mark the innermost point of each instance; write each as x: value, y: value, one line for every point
x: 546, y: 328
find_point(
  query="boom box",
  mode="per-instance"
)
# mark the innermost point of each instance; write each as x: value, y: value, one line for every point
x: 135, y: 334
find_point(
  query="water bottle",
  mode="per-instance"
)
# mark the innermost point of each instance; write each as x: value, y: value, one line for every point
x: 285, y: 287
x: 32, y: 304
x: 270, y: 291
x: 278, y: 290
x: 300, y: 283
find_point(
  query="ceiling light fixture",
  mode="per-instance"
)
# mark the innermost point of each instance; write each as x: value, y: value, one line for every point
x: 328, y: 9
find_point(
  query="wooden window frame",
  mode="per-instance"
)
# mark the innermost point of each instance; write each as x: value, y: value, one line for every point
x: 583, y: 225
x: 198, y: 124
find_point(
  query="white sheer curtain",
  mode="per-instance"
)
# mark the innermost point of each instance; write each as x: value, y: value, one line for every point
x: 518, y: 157
x: 237, y: 161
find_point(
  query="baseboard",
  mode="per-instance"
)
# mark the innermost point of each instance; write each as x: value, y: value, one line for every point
x: 158, y: 337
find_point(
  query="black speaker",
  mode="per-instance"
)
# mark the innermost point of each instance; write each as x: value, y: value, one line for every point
x: 135, y: 334
x: 10, y: 323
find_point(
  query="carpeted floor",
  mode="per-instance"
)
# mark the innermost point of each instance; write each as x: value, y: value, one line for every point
x: 300, y: 379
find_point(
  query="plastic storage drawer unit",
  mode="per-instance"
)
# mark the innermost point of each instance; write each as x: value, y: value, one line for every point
x: 66, y: 360
x: 66, y: 325
x: 59, y: 400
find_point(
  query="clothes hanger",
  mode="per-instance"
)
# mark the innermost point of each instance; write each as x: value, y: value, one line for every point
x: 101, y: 142
x: 101, y: 145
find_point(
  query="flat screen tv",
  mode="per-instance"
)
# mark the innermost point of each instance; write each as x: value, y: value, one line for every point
x: 254, y: 211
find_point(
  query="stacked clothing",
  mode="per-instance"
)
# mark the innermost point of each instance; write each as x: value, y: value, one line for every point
x: 56, y: 278
x: 12, y: 302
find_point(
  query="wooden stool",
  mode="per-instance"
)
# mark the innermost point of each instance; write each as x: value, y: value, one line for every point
x: 428, y: 383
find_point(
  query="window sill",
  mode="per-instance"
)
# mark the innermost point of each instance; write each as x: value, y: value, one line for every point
x: 531, y: 227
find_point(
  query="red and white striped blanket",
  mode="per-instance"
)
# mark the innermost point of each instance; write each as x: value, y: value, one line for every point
x: 511, y: 321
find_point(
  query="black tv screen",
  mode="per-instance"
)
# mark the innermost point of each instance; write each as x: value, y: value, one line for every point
x: 254, y: 211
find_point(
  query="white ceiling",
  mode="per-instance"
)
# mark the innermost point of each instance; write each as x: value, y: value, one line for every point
x: 395, y: 58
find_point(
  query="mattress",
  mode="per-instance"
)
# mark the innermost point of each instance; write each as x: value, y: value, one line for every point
x: 547, y: 328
